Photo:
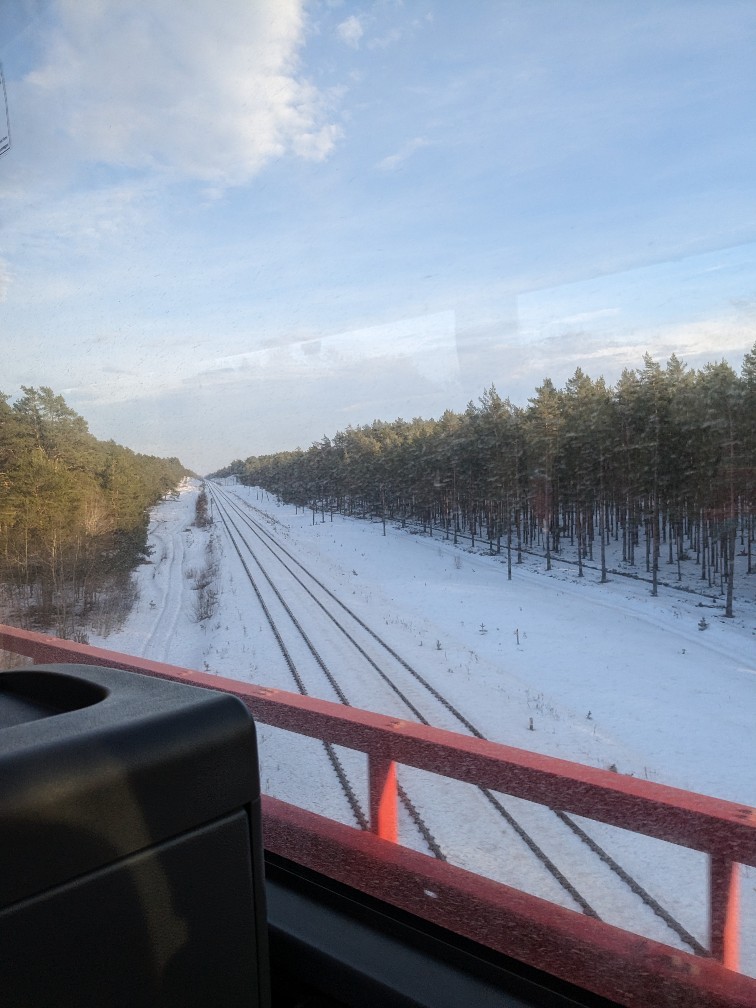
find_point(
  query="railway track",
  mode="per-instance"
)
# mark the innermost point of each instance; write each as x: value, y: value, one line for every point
x: 233, y: 512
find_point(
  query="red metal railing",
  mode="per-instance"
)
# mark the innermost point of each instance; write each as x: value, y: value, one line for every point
x: 607, y: 960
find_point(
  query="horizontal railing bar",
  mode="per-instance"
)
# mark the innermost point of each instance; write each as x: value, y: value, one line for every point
x: 626, y: 968
x: 657, y: 810
x: 707, y: 824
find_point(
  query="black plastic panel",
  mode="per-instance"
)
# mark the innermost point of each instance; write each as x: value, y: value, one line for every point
x: 130, y: 843
x: 149, y: 759
x: 170, y: 927
x: 338, y: 947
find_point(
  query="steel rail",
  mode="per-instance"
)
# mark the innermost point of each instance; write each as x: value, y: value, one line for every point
x: 346, y: 785
x: 344, y: 782
x: 499, y: 807
x: 624, y: 876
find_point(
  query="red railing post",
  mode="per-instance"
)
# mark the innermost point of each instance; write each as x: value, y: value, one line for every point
x: 724, y: 923
x: 383, y: 808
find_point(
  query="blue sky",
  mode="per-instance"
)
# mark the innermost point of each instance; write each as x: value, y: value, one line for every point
x: 228, y: 228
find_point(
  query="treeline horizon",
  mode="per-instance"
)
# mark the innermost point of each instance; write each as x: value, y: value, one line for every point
x: 73, y: 512
x: 664, y: 458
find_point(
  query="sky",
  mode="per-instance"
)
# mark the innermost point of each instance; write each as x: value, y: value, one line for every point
x: 228, y: 229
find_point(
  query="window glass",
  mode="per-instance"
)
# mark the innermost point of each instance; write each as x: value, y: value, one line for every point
x: 456, y: 302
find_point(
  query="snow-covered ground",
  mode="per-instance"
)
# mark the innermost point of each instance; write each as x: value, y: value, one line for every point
x: 604, y: 674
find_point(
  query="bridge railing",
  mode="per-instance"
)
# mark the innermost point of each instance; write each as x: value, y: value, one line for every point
x: 611, y: 962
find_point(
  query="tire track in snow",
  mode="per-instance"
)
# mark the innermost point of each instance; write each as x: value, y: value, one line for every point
x: 168, y: 607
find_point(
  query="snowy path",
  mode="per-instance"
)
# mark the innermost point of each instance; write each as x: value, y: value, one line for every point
x: 167, y: 605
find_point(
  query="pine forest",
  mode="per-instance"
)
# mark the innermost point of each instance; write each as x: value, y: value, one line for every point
x: 662, y: 465
x: 73, y: 515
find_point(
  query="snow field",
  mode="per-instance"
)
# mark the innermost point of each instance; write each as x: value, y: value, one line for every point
x: 609, y: 676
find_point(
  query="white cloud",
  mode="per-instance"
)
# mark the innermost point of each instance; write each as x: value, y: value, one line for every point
x: 204, y: 90
x: 4, y: 280
x: 426, y: 345
x: 317, y: 146
x: 392, y: 162
x: 727, y: 336
x: 427, y: 342
x: 589, y: 316
x: 351, y: 31
x: 384, y: 41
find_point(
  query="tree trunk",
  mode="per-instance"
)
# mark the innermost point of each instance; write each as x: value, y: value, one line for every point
x: 730, y: 567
